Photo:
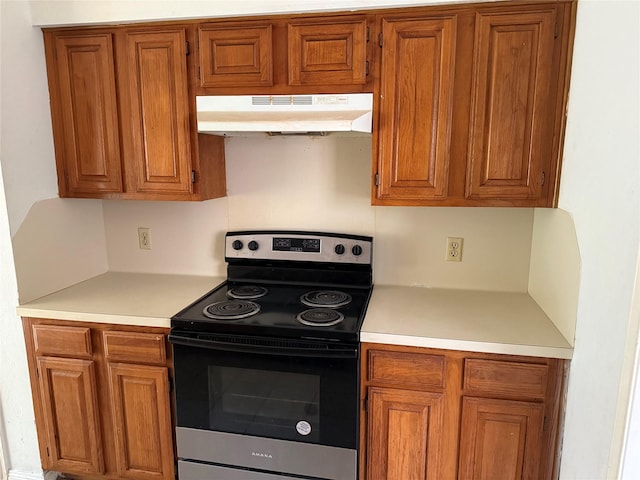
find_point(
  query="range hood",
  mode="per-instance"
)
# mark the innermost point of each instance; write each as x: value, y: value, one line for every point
x: 284, y: 114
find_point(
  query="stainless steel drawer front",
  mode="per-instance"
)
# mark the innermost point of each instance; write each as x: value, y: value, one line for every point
x: 320, y: 461
x: 200, y: 471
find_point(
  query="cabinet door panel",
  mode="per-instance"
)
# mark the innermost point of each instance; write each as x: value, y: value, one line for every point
x: 85, y: 112
x: 405, y: 429
x: 69, y: 399
x: 415, y: 108
x: 500, y: 439
x: 327, y: 53
x: 236, y: 55
x: 509, y: 147
x: 141, y: 411
x: 159, y: 149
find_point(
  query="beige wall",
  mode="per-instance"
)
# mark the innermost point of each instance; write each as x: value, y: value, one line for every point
x: 312, y: 183
x: 60, y: 243
x: 554, y: 274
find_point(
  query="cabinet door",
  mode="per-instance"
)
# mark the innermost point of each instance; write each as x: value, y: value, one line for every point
x: 72, y: 427
x: 236, y: 55
x: 142, y: 418
x: 156, y: 112
x: 405, y: 429
x: 511, y: 118
x: 415, y: 105
x: 85, y: 112
x: 327, y: 53
x: 500, y: 439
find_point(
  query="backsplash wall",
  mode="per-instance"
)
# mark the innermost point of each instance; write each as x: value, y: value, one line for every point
x: 322, y: 183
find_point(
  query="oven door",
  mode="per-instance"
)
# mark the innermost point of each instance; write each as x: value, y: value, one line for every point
x: 277, y: 405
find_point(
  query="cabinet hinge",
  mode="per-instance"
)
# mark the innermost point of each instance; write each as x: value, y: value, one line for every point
x: 193, y: 176
x: 170, y: 384
x: 380, y: 40
x: 543, y: 179
x: 555, y: 30
x: 368, y: 34
x: 186, y: 47
x: 48, y: 453
x: 366, y: 403
x: 198, y: 73
x: 366, y: 67
x: 37, y: 372
x: 377, y: 179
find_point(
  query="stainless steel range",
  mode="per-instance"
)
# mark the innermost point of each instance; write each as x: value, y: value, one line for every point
x: 266, y: 364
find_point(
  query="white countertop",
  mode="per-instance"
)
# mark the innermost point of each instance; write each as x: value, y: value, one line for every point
x: 122, y: 298
x: 470, y: 320
x: 495, y: 322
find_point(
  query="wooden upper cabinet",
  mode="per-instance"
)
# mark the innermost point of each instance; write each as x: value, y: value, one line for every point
x: 471, y: 105
x: 325, y: 52
x: 124, y: 123
x: 84, y: 111
x: 414, y: 108
x: 283, y: 55
x: 511, y: 130
x: 156, y: 112
x: 238, y: 54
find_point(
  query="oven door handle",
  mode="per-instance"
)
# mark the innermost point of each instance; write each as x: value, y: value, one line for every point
x: 350, y: 351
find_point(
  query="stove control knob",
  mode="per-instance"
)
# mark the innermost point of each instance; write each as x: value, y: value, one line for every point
x: 356, y: 250
x: 339, y: 249
x: 237, y: 245
x: 253, y: 245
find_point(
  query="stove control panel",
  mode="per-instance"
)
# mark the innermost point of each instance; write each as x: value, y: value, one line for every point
x: 299, y: 246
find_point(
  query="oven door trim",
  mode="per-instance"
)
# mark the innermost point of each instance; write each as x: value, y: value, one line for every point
x: 264, y: 345
x: 267, y: 454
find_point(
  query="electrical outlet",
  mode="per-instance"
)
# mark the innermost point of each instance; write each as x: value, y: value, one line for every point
x: 454, y: 249
x: 144, y: 238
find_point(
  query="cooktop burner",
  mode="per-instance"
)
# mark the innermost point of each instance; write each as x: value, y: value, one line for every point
x: 320, y: 317
x: 231, y: 309
x: 287, y: 285
x: 325, y: 298
x: 247, y: 292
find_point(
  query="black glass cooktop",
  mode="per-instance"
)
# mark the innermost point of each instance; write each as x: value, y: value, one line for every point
x: 289, y: 311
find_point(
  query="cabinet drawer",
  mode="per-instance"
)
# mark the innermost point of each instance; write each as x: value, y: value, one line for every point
x: 62, y: 341
x: 135, y: 347
x: 407, y: 369
x: 509, y: 378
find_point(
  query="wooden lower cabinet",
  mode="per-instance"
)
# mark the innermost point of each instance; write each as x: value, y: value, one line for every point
x: 444, y: 414
x: 405, y: 443
x: 144, y: 447
x: 101, y: 397
x: 67, y: 388
x: 500, y: 439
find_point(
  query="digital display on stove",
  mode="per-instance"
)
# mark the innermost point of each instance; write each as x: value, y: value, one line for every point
x: 283, y: 244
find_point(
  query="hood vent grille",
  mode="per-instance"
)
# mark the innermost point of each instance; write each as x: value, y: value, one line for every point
x: 282, y: 100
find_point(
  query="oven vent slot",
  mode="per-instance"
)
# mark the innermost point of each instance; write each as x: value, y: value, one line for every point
x: 263, y: 342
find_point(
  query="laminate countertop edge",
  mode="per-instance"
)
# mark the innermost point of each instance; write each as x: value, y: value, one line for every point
x: 469, y: 320
x: 123, y: 298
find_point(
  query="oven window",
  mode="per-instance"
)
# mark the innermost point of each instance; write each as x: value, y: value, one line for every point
x: 259, y: 402
x: 304, y: 399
